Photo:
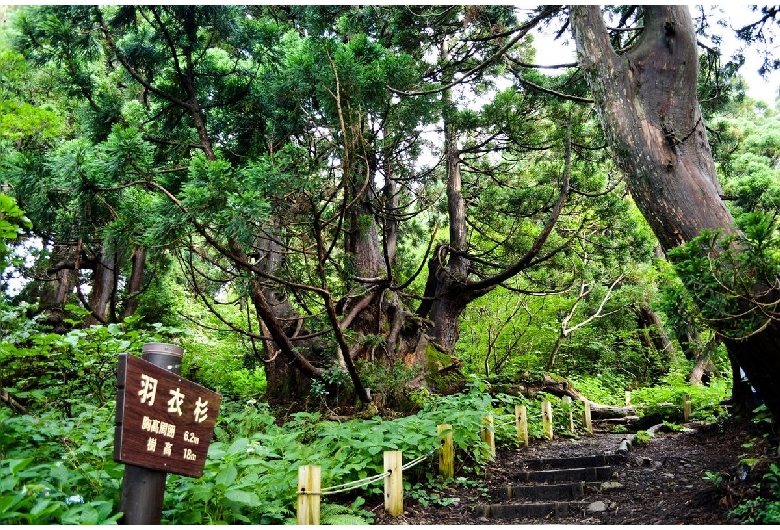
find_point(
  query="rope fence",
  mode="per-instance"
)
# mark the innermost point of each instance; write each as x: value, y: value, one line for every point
x: 355, y: 484
x: 309, y: 491
x: 362, y: 482
x: 417, y: 460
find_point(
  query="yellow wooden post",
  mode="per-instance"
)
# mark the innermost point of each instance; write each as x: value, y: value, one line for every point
x: 447, y: 452
x: 309, y: 495
x: 586, y: 418
x: 567, y: 402
x: 628, y: 398
x: 521, y: 421
x: 547, y: 425
x: 488, y: 434
x: 394, y: 485
x: 687, y: 407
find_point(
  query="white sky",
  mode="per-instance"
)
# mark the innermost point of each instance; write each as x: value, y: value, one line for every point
x: 556, y: 52
x: 758, y: 88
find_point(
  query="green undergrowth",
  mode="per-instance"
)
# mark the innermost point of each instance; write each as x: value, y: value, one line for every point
x: 765, y: 508
x: 664, y: 403
x: 59, y: 469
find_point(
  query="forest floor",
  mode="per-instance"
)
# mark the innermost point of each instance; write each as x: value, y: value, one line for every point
x: 660, y: 482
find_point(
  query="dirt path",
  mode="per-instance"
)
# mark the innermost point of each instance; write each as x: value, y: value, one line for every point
x: 658, y: 483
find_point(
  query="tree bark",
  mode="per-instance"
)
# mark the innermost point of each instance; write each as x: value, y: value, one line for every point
x: 704, y: 365
x: 103, y: 289
x: 647, y: 104
x: 449, y: 268
x: 135, y: 283
x: 659, y: 339
x: 53, y: 295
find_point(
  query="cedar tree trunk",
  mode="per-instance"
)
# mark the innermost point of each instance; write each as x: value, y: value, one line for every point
x: 103, y: 289
x: 135, y: 283
x: 647, y: 103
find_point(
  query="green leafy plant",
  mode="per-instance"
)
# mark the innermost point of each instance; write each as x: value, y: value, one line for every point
x: 13, y: 222
x: 664, y: 402
x: 59, y: 470
x: 714, y: 478
x: 641, y: 438
x: 764, y: 509
x: 44, y: 369
x: 673, y: 427
x: 431, y: 494
x: 336, y: 514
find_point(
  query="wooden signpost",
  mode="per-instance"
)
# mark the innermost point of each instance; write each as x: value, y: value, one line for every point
x: 164, y: 424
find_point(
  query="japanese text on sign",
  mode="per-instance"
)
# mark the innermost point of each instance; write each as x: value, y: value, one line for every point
x: 164, y: 422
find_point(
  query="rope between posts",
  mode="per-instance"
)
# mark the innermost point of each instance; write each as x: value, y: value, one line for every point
x: 355, y: 484
x: 417, y: 460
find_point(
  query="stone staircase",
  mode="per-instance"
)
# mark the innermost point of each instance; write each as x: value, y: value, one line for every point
x: 554, y: 487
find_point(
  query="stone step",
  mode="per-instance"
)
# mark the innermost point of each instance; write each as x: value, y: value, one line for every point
x: 537, y: 510
x: 588, y: 474
x: 541, y: 492
x: 576, y: 461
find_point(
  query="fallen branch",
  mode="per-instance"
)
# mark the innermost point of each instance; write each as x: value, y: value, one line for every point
x: 652, y: 431
x: 9, y: 400
x: 619, y: 420
x: 563, y: 388
x: 625, y: 445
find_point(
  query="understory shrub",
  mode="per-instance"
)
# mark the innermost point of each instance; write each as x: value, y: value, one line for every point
x: 664, y: 402
x: 42, y: 370
x: 58, y: 469
x: 764, y: 509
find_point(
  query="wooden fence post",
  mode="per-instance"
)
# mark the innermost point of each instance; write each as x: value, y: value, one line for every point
x: 687, y: 407
x: 567, y: 402
x: 446, y: 452
x: 628, y: 398
x: 586, y: 417
x: 521, y: 421
x: 547, y: 425
x: 394, y: 485
x: 488, y: 434
x: 309, y: 495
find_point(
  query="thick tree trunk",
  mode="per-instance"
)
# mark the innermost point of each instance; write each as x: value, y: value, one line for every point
x: 647, y: 103
x: 54, y: 298
x: 391, y: 211
x: 650, y: 321
x: 52, y: 294
x: 704, y: 365
x: 448, y: 270
x: 287, y: 381
x: 369, y: 262
x: 741, y: 394
x: 135, y: 283
x: 103, y: 289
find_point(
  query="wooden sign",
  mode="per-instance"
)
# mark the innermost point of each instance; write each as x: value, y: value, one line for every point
x: 163, y: 421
